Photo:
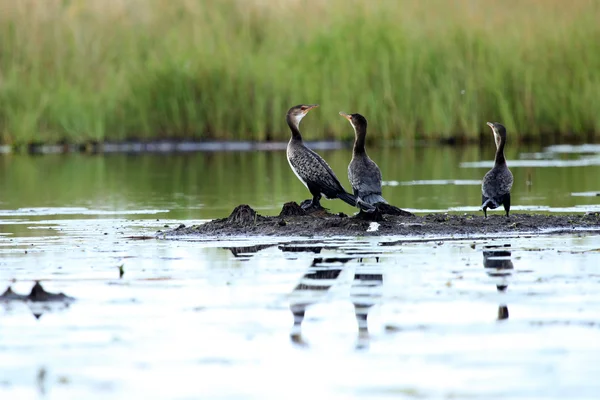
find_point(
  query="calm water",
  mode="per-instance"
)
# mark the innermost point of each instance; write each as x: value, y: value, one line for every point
x: 269, y: 319
x: 209, y: 185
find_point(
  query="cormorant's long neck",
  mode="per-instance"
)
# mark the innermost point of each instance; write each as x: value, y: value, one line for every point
x: 500, y: 153
x: 294, y: 128
x: 359, y: 141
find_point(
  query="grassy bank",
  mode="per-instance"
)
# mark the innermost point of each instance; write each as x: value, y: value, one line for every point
x: 229, y: 69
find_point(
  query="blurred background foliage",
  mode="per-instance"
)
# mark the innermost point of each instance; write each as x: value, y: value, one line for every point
x: 97, y: 70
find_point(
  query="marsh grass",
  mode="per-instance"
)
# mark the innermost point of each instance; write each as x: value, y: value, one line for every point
x: 229, y: 69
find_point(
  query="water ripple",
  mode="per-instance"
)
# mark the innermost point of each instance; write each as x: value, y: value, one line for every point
x: 39, y: 211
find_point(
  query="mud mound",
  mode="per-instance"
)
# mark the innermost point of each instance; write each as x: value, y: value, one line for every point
x: 292, y: 209
x: 242, y: 215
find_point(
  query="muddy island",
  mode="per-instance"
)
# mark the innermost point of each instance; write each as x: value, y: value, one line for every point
x: 293, y: 220
x: 37, y: 294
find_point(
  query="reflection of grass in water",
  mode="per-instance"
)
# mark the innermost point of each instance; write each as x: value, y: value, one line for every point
x: 230, y: 69
x: 209, y: 185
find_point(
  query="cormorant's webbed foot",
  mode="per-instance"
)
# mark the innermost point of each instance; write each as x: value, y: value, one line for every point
x: 365, y: 206
x: 369, y: 215
x: 306, y: 204
x: 310, y: 205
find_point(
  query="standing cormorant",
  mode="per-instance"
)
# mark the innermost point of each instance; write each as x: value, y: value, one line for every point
x: 309, y: 167
x: 497, y: 183
x: 364, y: 175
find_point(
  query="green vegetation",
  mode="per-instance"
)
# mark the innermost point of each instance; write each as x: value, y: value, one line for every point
x: 229, y: 69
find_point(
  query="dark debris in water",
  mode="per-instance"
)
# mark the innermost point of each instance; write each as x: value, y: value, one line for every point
x: 591, y: 324
x: 143, y: 237
x: 295, y: 221
x: 37, y: 294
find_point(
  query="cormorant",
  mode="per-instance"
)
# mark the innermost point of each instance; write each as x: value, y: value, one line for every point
x: 364, y: 175
x: 495, y: 190
x: 309, y: 167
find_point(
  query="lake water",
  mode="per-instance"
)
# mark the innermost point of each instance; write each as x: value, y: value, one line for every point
x: 272, y: 318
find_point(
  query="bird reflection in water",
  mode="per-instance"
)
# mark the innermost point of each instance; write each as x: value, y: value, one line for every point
x: 366, y: 290
x: 246, y: 252
x: 498, y: 264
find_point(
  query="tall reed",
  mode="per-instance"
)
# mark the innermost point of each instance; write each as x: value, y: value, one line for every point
x: 229, y: 69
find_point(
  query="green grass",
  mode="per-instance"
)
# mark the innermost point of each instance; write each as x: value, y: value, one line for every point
x: 229, y: 69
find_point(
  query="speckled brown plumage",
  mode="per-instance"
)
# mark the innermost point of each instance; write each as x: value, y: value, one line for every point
x: 309, y: 167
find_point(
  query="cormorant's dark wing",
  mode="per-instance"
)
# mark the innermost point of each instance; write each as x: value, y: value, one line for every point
x: 315, y: 172
x: 489, y: 203
x: 496, y: 184
x: 365, y: 177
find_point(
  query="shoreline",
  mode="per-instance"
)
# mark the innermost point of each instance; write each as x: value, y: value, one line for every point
x: 191, y: 146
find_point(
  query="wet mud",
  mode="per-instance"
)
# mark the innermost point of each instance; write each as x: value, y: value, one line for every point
x: 293, y: 220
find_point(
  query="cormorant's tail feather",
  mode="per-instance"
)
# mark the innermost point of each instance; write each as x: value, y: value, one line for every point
x: 364, y: 206
x: 373, y: 198
x: 348, y: 198
x: 388, y: 209
x: 489, y: 203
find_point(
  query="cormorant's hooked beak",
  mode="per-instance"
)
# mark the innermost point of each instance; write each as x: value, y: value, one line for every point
x: 347, y: 116
x: 310, y: 107
x: 497, y: 137
x: 299, y: 112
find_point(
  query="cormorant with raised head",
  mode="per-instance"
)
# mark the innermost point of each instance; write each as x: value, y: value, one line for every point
x: 363, y: 173
x: 495, y: 190
x: 309, y: 167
